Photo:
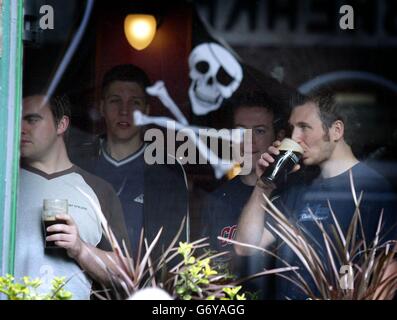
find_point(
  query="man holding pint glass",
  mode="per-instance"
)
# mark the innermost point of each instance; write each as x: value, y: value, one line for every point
x: 322, y: 133
x: 58, y: 232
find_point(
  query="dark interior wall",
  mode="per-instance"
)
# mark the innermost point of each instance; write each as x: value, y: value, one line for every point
x: 45, y: 48
x: 165, y: 59
x: 299, y: 41
x: 301, y: 64
x: 103, y: 46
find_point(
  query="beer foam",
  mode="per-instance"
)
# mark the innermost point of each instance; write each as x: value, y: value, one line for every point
x: 49, y: 218
x: 289, y: 144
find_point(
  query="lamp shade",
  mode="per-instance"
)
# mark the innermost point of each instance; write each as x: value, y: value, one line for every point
x: 139, y: 30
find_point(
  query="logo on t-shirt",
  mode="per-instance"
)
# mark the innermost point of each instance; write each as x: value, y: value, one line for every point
x: 139, y: 199
x: 318, y: 212
x: 228, y: 232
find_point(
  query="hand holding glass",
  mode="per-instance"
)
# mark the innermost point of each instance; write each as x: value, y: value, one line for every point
x: 52, y: 208
x: 290, y: 155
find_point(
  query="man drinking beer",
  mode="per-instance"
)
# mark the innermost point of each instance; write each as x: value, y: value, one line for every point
x: 324, y: 130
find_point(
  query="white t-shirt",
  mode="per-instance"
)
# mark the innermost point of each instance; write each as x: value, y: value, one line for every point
x: 31, y: 258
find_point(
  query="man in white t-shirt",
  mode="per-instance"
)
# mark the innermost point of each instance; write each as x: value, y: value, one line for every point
x: 47, y: 172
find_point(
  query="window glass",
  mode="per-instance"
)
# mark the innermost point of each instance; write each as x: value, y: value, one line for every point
x: 211, y: 65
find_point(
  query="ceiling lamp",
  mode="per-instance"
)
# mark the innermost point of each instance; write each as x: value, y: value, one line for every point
x: 140, y: 30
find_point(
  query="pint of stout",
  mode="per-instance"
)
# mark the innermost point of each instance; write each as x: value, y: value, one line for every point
x: 51, y: 208
x: 290, y: 155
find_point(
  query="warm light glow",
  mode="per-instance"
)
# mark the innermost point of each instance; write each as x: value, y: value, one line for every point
x: 140, y: 30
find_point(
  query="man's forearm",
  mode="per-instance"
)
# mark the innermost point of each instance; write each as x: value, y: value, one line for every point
x: 87, y: 260
x: 251, y: 226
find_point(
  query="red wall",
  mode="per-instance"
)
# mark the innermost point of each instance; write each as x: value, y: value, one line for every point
x: 165, y: 59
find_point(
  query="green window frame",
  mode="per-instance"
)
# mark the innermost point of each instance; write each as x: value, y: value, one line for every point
x: 11, y: 48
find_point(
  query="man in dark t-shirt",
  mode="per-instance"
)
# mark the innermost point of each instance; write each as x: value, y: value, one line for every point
x: 305, y: 203
x: 221, y: 211
x: 324, y: 130
x: 127, y: 178
x: 152, y: 196
x: 256, y: 112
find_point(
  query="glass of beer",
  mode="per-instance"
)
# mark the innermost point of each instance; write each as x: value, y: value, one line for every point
x: 290, y: 155
x: 51, y: 208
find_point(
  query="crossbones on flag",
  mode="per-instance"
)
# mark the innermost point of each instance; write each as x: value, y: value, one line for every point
x: 215, y: 75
